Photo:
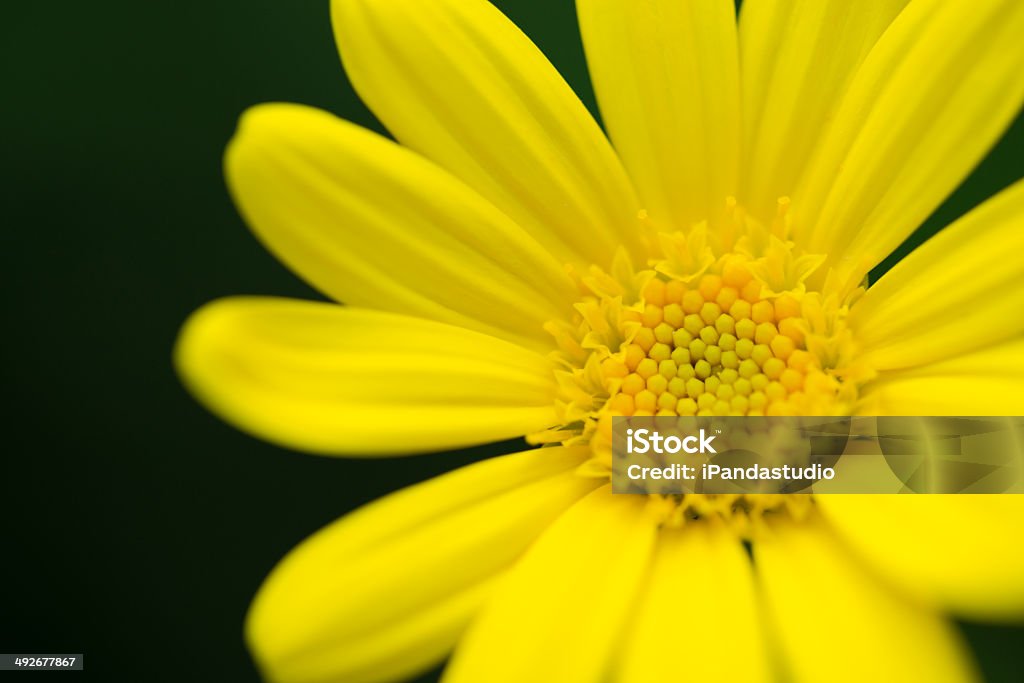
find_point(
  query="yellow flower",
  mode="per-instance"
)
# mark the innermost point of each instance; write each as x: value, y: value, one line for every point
x: 508, y: 271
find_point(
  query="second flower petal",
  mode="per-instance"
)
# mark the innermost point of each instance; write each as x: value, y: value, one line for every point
x: 961, y: 291
x: 700, y: 575
x: 458, y: 82
x: 562, y: 607
x: 337, y: 380
x: 386, y: 591
x: 835, y: 621
x: 372, y: 224
x: 798, y: 57
x: 959, y: 552
x: 939, y: 87
x: 667, y: 78
x: 985, y: 382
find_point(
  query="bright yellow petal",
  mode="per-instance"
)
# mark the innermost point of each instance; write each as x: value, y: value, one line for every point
x: 667, y: 79
x: 700, y: 576
x: 836, y: 622
x: 930, y: 99
x: 986, y: 382
x: 333, y: 380
x: 385, y: 592
x: 560, y: 610
x: 372, y: 224
x: 798, y: 57
x: 458, y: 82
x: 961, y: 291
x: 960, y: 552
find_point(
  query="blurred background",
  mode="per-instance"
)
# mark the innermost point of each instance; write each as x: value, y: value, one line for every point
x: 135, y: 526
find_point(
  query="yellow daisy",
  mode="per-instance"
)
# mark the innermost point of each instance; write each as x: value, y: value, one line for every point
x: 510, y: 271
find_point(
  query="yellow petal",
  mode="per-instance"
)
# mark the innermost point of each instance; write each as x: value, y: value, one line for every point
x: 384, y: 592
x: 374, y: 225
x: 332, y: 379
x: 666, y: 75
x: 986, y: 382
x: 701, y: 576
x: 560, y: 611
x: 961, y: 552
x: 928, y: 102
x: 836, y: 622
x: 961, y: 291
x: 798, y: 57
x: 458, y: 82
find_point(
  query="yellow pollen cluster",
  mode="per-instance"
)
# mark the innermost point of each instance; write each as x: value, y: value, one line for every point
x: 714, y: 347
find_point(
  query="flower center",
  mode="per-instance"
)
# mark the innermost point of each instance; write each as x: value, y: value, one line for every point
x: 716, y: 323
x: 717, y: 347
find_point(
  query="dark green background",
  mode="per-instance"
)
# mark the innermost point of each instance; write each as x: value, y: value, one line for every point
x: 135, y: 526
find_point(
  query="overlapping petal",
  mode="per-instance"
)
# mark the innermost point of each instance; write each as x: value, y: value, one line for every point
x: 337, y: 380
x: 985, y: 382
x: 666, y: 75
x: 797, y: 59
x: 697, y: 617
x: 460, y: 83
x: 385, y: 592
x: 928, y: 102
x: 835, y: 621
x: 960, y: 292
x: 374, y: 225
x: 959, y: 552
x: 560, y: 611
